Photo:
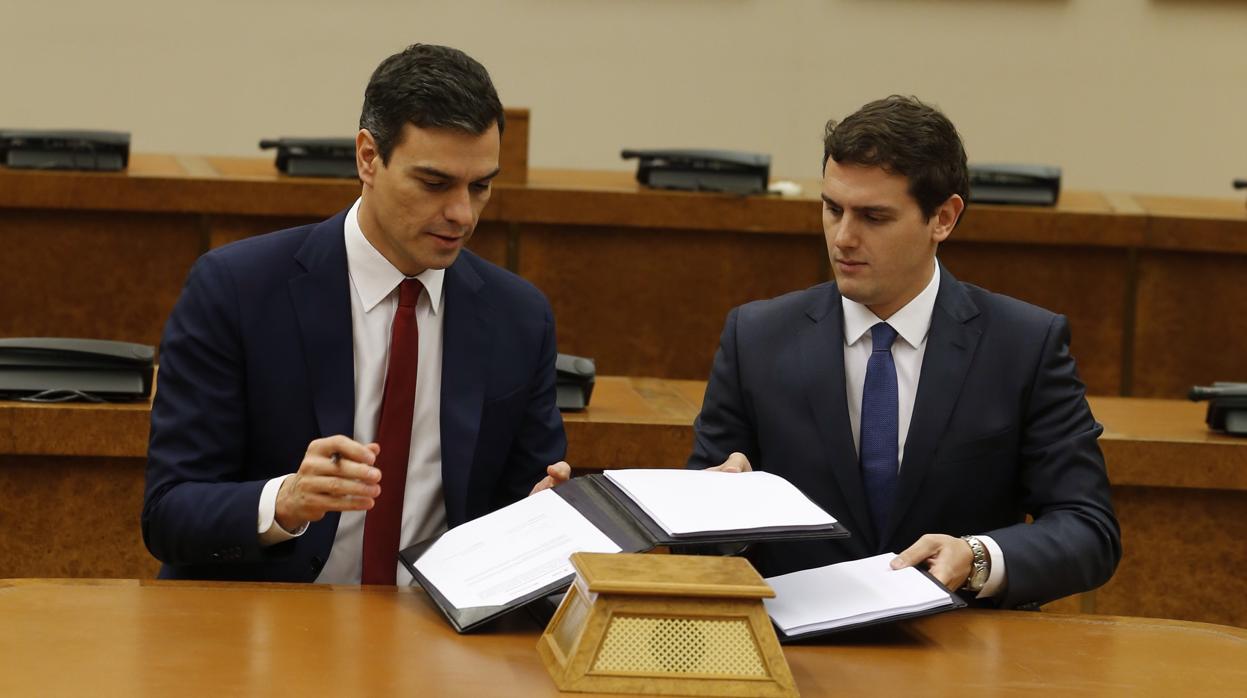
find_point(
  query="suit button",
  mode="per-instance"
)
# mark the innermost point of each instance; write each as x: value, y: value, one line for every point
x: 316, y: 564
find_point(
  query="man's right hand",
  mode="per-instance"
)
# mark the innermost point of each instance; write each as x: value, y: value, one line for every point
x: 735, y: 463
x: 336, y: 474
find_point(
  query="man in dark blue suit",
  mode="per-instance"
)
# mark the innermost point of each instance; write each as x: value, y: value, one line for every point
x: 929, y: 416
x: 332, y: 393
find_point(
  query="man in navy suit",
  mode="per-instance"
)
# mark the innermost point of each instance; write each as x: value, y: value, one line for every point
x: 332, y: 393
x: 929, y: 416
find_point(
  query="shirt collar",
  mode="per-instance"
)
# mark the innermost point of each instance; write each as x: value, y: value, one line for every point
x: 373, y: 275
x: 911, y: 322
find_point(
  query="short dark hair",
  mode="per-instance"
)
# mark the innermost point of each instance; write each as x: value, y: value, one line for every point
x: 906, y: 137
x: 430, y: 87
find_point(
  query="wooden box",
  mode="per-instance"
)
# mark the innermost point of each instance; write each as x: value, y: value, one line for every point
x: 665, y: 625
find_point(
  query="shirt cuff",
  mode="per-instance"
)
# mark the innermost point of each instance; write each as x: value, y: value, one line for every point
x: 271, y: 532
x: 996, y: 578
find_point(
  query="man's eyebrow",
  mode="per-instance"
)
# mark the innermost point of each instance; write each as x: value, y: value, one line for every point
x: 876, y: 210
x: 438, y: 174
x: 429, y: 171
x: 491, y: 175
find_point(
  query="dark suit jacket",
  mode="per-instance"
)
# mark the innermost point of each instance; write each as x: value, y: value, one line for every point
x: 1000, y: 429
x: 257, y: 361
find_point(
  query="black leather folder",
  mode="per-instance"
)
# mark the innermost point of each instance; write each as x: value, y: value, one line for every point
x: 614, y: 513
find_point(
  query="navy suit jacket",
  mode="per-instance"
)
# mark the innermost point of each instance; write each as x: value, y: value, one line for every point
x: 1000, y: 430
x: 257, y: 361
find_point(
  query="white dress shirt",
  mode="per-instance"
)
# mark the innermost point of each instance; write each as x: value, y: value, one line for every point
x: 374, y: 299
x: 912, y: 324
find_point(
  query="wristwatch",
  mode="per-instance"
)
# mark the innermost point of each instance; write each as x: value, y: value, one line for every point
x: 980, y: 565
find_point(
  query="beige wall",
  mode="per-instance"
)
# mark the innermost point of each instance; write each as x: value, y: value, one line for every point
x: 1127, y: 95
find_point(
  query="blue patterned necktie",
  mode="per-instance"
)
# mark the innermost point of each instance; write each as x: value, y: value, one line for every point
x: 878, y: 437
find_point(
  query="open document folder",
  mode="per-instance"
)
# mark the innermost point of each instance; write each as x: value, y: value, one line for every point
x: 503, y: 560
x: 853, y: 594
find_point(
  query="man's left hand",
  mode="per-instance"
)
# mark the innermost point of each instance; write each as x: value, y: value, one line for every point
x: 556, y: 474
x: 948, y: 559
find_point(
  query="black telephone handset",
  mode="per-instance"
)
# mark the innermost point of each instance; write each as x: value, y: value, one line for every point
x: 62, y: 369
x: 573, y: 381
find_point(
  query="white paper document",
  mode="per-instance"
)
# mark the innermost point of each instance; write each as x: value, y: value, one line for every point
x: 514, y: 551
x: 847, y: 593
x: 702, y: 501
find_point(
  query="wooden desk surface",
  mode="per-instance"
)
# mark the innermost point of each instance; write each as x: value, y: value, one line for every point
x: 79, y: 469
x: 128, y: 638
x: 1146, y: 442
x: 1219, y: 223
x: 647, y: 422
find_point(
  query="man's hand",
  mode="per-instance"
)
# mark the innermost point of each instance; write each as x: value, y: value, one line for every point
x: 948, y: 559
x: 336, y: 474
x: 556, y: 474
x: 735, y: 463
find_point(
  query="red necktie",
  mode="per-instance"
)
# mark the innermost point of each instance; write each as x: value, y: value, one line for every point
x: 384, y: 522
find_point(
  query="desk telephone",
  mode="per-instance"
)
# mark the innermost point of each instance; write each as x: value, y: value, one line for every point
x: 573, y: 381
x: 1227, y: 406
x: 59, y: 369
x: 690, y: 169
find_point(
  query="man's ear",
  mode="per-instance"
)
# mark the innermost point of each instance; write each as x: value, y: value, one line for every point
x: 946, y: 217
x: 367, y: 157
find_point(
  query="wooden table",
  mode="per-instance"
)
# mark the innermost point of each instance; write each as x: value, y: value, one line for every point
x: 1180, y: 490
x: 131, y: 638
x: 640, y: 279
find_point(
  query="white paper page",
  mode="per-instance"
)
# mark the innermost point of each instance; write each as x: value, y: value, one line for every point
x: 849, y: 592
x: 514, y: 551
x: 697, y: 501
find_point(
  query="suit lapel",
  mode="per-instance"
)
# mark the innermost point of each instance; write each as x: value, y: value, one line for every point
x: 465, y: 361
x: 951, y: 342
x: 322, y: 303
x: 821, y: 345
